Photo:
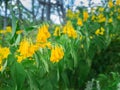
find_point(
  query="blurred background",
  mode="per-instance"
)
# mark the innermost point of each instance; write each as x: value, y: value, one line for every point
x: 41, y: 10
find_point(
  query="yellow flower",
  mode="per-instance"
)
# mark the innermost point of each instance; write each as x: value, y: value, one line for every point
x: 72, y: 32
x: 43, y: 34
x: 1, y: 67
x: 48, y: 44
x: 57, y: 31
x: 110, y: 4
x: 97, y: 31
x: 69, y: 30
x: 19, y: 59
x: 100, y: 31
x: 118, y: 17
x: 2, y: 31
x: 101, y: 18
x: 19, y: 32
x: 110, y: 20
x: 26, y: 49
x: 117, y: 2
x: 118, y: 10
x: 69, y: 13
x: 9, y: 29
x: 1, y: 59
x: 57, y: 54
x: 4, y: 52
x: 79, y: 22
x: 85, y: 15
x: 101, y: 9
x: 93, y: 17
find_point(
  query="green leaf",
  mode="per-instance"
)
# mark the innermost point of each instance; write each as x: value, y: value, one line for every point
x: 44, y: 61
x: 48, y: 86
x: 18, y: 39
x: 15, y: 26
x: 18, y: 74
x: 14, y: 21
x: 45, y: 64
x: 32, y: 81
x: 73, y: 54
x: 4, y: 66
x: 37, y: 59
x: 58, y: 74
x: 65, y: 79
x: 31, y: 28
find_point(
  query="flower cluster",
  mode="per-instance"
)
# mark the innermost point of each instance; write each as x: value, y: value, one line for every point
x: 118, y: 2
x: 110, y: 4
x: 4, y: 52
x: 100, y: 31
x: 7, y: 30
x: 57, y: 54
x: 85, y: 16
x: 69, y: 30
x: 57, y: 31
x: 110, y: 20
x: 79, y: 22
x: 99, y: 18
x: 26, y: 49
x: 42, y: 36
x: 73, y: 29
x: 70, y: 14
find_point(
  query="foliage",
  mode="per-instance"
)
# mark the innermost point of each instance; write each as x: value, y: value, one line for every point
x: 109, y: 81
x: 63, y: 57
